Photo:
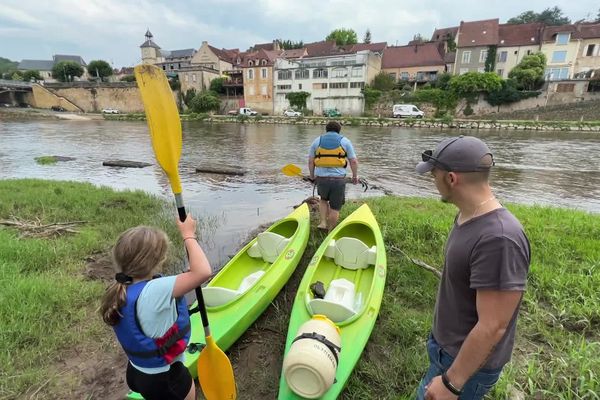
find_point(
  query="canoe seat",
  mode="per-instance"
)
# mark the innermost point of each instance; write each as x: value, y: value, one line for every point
x: 351, y: 253
x: 338, y: 304
x: 268, y: 245
x: 215, y: 296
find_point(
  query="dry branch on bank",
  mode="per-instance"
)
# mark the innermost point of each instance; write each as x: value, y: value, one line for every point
x: 37, y: 229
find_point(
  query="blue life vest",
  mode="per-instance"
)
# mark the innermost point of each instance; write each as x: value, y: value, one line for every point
x: 144, y: 351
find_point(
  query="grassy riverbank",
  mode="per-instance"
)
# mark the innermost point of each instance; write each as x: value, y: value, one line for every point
x: 57, y: 347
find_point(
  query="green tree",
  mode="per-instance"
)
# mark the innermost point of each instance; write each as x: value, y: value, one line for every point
x: 288, y: 44
x: 508, y: 93
x: 17, y: 76
x: 469, y: 85
x: 343, y: 36
x: 367, y: 38
x: 217, y: 85
x: 174, y: 82
x: 205, y: 101
x: 99, y: 69
x: 297, y: 100
x: 65, y: 71
x: 128, y: 78
x: 32, y: 74
x: 451, y: 43
x: 490, y: 60
x: 598, y: 17
x: 383, y: 82
x: 550, y: 16
x: 189, y: 96
x: 7, y: 66
x: 371, y: 96
x: 529, y: 73
x: 442, y: 81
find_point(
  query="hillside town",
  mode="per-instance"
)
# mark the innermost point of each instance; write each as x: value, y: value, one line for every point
x: 334, y: 76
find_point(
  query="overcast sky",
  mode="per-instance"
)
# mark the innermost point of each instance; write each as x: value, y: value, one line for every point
x: 113, y: 30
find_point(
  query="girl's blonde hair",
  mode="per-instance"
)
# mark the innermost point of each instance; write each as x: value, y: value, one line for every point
x: 138, y: 253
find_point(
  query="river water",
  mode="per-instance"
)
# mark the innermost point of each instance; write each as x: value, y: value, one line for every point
x: 552, y: 168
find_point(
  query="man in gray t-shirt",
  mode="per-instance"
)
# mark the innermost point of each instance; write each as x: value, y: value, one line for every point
x: 487, y: 258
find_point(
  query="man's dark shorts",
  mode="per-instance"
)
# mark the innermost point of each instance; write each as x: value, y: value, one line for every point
x: 332, y: 190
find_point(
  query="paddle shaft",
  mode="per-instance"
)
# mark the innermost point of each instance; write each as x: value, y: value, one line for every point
x: 198, y: 290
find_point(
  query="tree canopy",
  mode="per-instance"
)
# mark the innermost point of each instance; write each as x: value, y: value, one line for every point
x: 550, y: 16
x: 65, y: 71
x: 343, y: 36
x: 288, y: 44
x: 367, y: 38
x: 99, y: 69
x: 32, y: 74
x: 529, y: 73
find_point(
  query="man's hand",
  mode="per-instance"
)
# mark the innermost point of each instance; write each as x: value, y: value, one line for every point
x: 355, y: 180
x: 436, y: 390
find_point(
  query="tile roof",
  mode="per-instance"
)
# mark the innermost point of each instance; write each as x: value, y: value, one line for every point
x: 519, y: 34
x: 478, y: 33
x: 444, y: 33
x: 183, y: 53
x: 374, y: 47
x: 40, y: 65
x: 150, y: 43
x: 257, y: 56
x: 222, y: 54
x: 450, y: 58
x: 62, y: 57
x: 425, y: 54
x: 294, y: 53
x: 588, y: 31
x: 323, y: 48
x: 549, y: 32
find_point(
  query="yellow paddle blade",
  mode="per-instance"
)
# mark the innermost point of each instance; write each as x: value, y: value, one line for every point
x: 163, y: 120
x: 215, y: 373
x: 292, y: 170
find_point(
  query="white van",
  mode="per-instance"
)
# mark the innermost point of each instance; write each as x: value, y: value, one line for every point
x: 406, y: 111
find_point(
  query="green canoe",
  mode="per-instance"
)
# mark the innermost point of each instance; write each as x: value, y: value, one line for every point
x: 365, y: 267
x: 247, y: 284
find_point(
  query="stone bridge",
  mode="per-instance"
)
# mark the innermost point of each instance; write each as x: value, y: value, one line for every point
x: 15, y: 93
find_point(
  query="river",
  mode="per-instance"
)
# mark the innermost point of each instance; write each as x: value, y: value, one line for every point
x: 551, y: 168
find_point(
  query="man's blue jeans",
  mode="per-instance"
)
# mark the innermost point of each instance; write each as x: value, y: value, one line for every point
x: 440, y: 361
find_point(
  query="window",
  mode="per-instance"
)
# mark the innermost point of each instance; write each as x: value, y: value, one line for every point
x: 482, y: 56
x: 404, y: 76
x: 319, y: 86
x: 319, y: 73
x: 562, y: 38
x: 194, y: 77
x: 392, y: 75
x: 554, y: 74
x: 263, y: 62
x: 250, y: 74
x: 263, y: 90
x: 466, y: 57
x: 263, y: 73
x: 420, y: 76
x: 284, y: 87
x: 250, y: 63
x: 355, y: 85
x: 284, y: 75
x: 338, y: 85
x: 559, y: 56
x: 171, y: 66
x: 503, y: 56
x: 339, y: 73
x: 302, y: 74
x: 590, y: 50
x: 357, y: 72
x: 500, y: 72
x: 299, y: 86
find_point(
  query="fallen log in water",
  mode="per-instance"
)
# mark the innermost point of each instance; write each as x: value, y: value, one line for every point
x: 221, y: 170
x: 126, y: 164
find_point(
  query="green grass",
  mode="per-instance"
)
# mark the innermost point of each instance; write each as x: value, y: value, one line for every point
x: 45, y: 160
x: 48, y: 306
x: 558, y: 343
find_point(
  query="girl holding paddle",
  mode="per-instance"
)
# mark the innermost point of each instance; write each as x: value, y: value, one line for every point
x: 149, y: 313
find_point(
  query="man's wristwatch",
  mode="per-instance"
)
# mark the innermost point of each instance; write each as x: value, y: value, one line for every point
x: 450, y: 386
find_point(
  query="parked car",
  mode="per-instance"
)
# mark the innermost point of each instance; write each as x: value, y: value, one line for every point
x: 292, y: 113
x: 247, y: 111
x: 331, y: 112
x: 57, y: 108
x: 110, y: 111
x: 406, y: 111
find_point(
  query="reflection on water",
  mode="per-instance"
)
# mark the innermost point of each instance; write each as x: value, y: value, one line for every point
x: 549, y: 168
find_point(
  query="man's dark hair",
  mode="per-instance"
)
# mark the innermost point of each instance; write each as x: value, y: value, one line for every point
x: 333, y: 126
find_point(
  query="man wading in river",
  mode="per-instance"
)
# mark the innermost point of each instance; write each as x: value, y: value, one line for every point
x: 327, y: 160
x: 487, y: 259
